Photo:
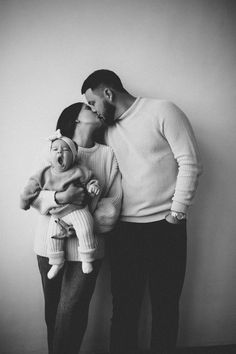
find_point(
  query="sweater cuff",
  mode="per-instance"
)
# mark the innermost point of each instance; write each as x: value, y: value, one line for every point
x: 44, y: 202
x: 56, y: 257
x: 179, y: 207
x: 87, y: 255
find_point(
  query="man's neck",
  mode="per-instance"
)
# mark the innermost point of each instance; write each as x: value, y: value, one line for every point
x: 124, y: 102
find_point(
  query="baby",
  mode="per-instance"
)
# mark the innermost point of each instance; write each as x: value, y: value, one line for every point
x: 64, y: 170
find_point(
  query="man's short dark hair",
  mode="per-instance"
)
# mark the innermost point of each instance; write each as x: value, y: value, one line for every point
x: 99, y: 77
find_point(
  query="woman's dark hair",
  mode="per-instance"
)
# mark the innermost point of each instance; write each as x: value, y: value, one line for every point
x: 67, y: 120
x: 67, y: 123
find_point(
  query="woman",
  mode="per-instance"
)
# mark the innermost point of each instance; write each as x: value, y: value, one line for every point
x: 67, y: 296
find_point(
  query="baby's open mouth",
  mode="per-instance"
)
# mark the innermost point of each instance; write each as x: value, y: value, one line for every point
x: 60, y: 160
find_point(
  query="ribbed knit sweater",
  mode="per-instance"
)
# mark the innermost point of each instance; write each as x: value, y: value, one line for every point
x: 158, y: 159
x: 105, y: 207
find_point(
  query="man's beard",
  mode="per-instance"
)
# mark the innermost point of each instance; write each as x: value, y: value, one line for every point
x: 108, y: 114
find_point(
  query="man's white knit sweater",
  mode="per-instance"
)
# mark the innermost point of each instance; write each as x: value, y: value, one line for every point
x: 157, y: 156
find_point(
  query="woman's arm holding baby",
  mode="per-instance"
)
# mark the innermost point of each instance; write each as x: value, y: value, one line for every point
x: 47, y: 200
x: 108, y: 208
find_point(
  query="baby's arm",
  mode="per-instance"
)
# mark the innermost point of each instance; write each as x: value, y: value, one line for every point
x: 89, y: 181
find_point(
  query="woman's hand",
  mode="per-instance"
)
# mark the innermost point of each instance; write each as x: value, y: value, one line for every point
x: 72, y: 195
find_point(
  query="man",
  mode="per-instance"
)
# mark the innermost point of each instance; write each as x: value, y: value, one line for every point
x: 157, y: 155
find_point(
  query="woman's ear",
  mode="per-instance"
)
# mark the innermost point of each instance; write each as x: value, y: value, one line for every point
x: 108, y: 94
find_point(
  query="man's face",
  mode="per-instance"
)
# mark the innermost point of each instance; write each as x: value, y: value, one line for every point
x: 101, y: 105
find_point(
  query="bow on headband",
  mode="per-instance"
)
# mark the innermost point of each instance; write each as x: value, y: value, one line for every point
x: 69, y: 142
x: 55, y: 136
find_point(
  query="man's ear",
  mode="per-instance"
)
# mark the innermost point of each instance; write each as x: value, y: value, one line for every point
x: 108, y: 94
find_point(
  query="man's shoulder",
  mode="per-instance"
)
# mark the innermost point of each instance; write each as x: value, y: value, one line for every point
x: 162, y: 109
x: 157, y: 102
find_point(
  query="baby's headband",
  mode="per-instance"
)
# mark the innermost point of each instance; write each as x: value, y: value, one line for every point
x: 68, y: 141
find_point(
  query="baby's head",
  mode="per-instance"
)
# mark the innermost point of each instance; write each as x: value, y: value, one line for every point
x: 62, y: 152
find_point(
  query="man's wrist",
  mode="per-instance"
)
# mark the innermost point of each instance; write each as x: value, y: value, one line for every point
x: 178, y: 215
x: 175, y: 217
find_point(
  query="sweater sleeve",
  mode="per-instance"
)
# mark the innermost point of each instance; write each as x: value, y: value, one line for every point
x: 179, y: 134
x: 30, y: 192
x: 108, y: 208
x: 44, y: 202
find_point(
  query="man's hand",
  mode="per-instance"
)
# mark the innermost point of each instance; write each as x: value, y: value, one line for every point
x: 175, y: 217
x: 72, y: 195
x: 170, y: 219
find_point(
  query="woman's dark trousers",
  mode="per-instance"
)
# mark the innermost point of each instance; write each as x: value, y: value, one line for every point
x: 153, y: 252
x: 67, y: 298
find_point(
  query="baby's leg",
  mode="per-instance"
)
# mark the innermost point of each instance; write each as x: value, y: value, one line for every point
x: 82, y: 222
x: 55, y: 249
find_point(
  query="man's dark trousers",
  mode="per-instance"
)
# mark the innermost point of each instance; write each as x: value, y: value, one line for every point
x: 141, y: 252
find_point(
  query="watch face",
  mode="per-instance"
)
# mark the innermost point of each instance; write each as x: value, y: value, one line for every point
x: 180, y: 216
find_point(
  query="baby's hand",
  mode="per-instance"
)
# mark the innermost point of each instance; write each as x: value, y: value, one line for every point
x: 93, y: 188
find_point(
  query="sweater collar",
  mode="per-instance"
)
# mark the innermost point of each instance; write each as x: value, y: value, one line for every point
x: 88, y: 150
x: 130, y: 110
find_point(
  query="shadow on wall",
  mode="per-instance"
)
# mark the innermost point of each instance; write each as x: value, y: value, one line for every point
x: 207, y: 303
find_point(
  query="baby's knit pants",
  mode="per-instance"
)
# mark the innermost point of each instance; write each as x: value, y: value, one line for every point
x: 82, y: 221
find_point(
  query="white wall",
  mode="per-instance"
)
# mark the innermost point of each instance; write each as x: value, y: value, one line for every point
x: 182, y: 50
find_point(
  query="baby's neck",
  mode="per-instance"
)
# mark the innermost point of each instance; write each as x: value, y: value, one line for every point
x: 57, y: 170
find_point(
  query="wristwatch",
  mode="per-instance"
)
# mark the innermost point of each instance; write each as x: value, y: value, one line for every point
x: 178, y: 215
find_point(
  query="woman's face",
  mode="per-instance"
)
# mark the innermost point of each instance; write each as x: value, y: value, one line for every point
x: 86, y: 123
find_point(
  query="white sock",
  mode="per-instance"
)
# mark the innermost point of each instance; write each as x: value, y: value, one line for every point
x: 55, y: 270
x: 87, y: 267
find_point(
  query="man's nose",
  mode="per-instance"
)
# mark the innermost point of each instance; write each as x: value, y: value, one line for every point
x: 93, y: 109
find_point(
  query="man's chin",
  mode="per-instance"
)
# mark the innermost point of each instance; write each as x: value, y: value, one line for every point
x: 108, y: 121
